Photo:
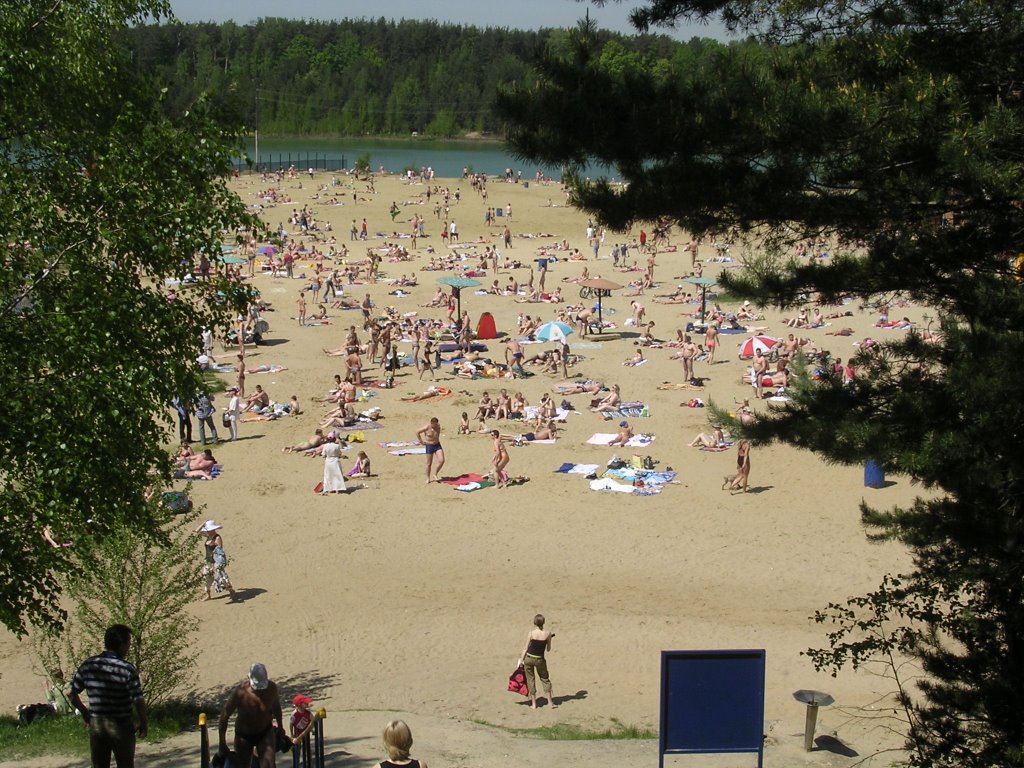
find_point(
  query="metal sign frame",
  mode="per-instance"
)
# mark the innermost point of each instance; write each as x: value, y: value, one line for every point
x: 712, y: 702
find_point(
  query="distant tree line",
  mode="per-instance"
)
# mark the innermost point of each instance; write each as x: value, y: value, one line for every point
x: 376, y: 77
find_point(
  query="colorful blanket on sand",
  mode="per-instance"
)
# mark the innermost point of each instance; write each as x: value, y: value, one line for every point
x: 627, y: 410
x: 468, y: 482
x: 638, y: 482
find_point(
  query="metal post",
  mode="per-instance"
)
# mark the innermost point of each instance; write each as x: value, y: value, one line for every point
x: 204, y: 742
x: 257, y: 130
x: 809, y: 724
x: 318, y: 729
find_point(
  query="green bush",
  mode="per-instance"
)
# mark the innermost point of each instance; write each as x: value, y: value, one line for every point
x: 145, y: 581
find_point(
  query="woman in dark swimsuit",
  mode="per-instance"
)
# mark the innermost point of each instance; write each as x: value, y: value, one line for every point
x: 742, y: 466
x: 538, y: 643
x: 426, y: 363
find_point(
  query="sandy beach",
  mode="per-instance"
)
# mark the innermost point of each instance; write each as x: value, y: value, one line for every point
x: 409, y: 597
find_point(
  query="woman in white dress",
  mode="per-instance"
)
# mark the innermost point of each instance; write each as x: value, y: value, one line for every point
x: 334, y: 479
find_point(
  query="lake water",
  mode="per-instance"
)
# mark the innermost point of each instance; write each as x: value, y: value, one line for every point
x: 447, y: 158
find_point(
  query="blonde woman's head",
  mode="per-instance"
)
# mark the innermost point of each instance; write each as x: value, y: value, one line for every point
x: 397, y: 740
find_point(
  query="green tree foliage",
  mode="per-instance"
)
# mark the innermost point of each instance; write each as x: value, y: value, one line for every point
x: 894, y: 128
x: 104, y: 195
x: 145, y: 584
x: 348, y: 77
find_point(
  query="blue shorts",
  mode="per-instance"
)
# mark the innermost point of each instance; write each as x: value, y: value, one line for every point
x: 433, y: 448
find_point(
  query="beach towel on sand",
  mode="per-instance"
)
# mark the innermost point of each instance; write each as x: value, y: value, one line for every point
x: 468, y: 482
x: 605, y: 438
x: 468, y: 477
x: 637, y: 481
x: 561, y: 414
x: 359, y: 426
x: 627, y: 411
x: 609, y: 484
x: 411, y: 451
x: 576, y: 469
x: 474, y: 485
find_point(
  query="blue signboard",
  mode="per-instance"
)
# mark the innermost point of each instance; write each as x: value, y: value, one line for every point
x: 712, y: 701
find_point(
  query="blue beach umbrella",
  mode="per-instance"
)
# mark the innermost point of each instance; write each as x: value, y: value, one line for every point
x: 553, y: 331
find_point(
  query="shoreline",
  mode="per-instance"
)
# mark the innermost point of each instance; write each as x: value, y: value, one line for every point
x: 469, y: 138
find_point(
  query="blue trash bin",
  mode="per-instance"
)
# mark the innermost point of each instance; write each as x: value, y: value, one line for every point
x: 874, y: 475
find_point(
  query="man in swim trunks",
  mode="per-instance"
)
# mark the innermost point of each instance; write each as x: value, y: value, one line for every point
x: 514, y: 355
x: 258, y: 706
x: 759, y: 367
x: 430, y: 436
x: 355, y: 367
x: 711, y: 341
x: 366, y: 306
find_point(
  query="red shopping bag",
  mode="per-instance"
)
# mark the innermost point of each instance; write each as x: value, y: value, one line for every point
x: 517, y: 681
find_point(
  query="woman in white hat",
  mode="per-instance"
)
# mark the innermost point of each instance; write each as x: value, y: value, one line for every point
x: 216, y: 560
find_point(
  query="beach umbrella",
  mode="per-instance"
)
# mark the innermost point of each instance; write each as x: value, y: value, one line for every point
x: 805, y: 696
x: 457, y: 284
x: 603, y: 288
x: 553, y: 331
x: 704, y: 283
x: 754, y: 343
x: 600, y: 283
x: 268, y: 250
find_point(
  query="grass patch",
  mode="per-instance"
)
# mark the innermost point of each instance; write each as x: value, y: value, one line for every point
x: 213, y: 382
x: 567, y: 732
x: 68, y: 736
x: 51, y: 735
x: 722, y: 297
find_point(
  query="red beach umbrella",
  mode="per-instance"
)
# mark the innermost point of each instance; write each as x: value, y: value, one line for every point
x: 764, y: 343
